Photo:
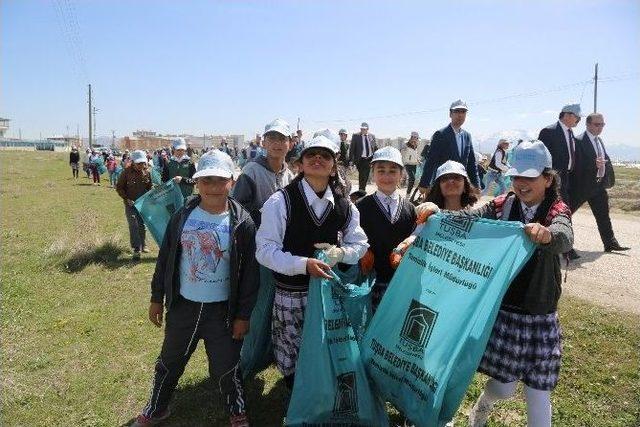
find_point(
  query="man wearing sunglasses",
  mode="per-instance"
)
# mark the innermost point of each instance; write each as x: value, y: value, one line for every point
x: 561, y: 143
x: 592, y: 176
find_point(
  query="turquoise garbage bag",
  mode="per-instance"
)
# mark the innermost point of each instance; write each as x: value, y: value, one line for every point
x: 156, y: 207
x: 354, y: 291
x: 100, y: 166
x: 430, y: 331
x: 331, y: 386
x: 257, y: 349
x: 156, y: 176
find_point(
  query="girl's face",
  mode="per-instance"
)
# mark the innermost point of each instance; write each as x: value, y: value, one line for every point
x: 318, y: 163
x: 213, y: 186
x: 531, y: 191
x: 452, y: 185
x: 387, y: 176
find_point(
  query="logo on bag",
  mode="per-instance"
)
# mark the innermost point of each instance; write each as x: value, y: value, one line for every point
x: 346, y: 402
x: 456, y: 225
x: 418, y: 325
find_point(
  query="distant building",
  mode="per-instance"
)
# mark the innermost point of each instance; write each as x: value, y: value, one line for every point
x: 4, y: 125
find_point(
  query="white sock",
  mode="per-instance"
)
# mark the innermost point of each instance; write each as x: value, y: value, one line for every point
x: 538, y: 407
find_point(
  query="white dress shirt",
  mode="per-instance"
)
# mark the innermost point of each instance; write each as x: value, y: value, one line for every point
x: 599, y: 150
x: 388, y: 203
x: 528, y: 212
x: 270, y: 235
x: 459, y: 140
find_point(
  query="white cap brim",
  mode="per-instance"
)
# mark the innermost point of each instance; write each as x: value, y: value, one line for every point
x: 527, y: 173
x: 180, y: 147
x: 280, y: 130
x: 213, y: 172
x: 464, y: 175
x: 140, y: 161
x: 395, y: 162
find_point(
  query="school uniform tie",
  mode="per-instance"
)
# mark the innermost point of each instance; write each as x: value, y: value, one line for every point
x: 387, y: 202
x: 528, y: 214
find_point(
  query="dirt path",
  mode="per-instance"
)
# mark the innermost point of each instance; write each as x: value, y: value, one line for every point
x: 609, y: 279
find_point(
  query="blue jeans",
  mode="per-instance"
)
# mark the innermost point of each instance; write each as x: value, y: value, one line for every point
x: 491, y: 177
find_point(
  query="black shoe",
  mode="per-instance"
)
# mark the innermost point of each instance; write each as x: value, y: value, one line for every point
x: 572, y: 255
x: 615, y: 246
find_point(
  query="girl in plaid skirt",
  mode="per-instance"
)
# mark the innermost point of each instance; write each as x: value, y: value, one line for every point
x: 525, y: 344
x: 310, y: 213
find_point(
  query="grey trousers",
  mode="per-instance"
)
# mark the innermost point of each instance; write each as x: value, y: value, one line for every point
x: 137, y: 230
x: 188, y: 322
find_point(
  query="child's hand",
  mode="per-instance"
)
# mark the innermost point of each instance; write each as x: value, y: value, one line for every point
x: 317, y: 268
x: 240, y: 329
x: 398, y: 252
x: 333, y: 253
x: 156, y: 311
x: 538, y: 233
x: 425, y: 210
x: 366, y: 262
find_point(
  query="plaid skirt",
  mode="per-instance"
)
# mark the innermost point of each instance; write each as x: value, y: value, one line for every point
x: 524, y: 347
x: 286, y: 328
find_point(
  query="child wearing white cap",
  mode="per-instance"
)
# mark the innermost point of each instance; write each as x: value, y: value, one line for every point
x: 525, y: 341
x: 310, y: 213
x: 180, y: 168
x: 451, y: 188
x: 386, y: 217
x: 132, y: 183
x: 207, y: 278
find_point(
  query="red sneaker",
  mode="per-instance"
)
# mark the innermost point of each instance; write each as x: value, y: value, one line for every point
x: 238, y: 420
x: 144, y: 421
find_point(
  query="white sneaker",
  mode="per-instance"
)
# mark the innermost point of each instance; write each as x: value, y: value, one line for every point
x: 479, y: 413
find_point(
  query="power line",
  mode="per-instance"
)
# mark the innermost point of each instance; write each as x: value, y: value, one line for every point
x: 530, y: 94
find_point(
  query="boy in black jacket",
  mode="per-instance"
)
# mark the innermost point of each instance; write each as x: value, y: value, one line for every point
x: 207, y: 275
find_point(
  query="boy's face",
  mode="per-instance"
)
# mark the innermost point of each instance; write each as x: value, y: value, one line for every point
x: 213, y: 186
x: 531, y: 190
x: 387, y: 176
x: 276, y: 144
x: 179, y: 153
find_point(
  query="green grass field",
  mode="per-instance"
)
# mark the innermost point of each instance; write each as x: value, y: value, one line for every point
x: 77, y: 348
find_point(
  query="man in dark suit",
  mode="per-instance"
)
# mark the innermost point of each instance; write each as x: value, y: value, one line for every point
x: 450, y: 143
x: 561, y: 143
x: 361, y: 151
x: 588, y: 179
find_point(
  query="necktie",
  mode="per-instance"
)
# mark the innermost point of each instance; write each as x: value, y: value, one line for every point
x: 388, y: 201
x: 366, y: 145
x: 572, y: 151
x: 600, y: 156
x: 528, y: 214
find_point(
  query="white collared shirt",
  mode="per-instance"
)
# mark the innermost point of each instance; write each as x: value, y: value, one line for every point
x: 567, y: 139
x: 597, y: 145
x: 366, y: 146
x: 270, y: 235
x: 390, y: 203
x: 528, y: 212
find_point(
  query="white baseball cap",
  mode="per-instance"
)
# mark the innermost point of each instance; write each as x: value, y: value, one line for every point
x: 139, y: 156
x: 278, y: 125
x: 329, y: 134
x: 451, y: 167
x: 215, y: 163
x: 179, y: 144
x: 458, y: 105
x: 388, y: 154
x: 320, y: 141
x: 529, y: 159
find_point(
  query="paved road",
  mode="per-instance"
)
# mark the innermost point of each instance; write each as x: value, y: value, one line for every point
x: 610, y: 280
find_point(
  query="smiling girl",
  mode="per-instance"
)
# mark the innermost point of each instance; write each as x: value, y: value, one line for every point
x: 311, y: 212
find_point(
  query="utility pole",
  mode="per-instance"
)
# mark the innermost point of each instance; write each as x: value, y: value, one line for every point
x: 113, y: 139
x: 90, y: 124
x: 595, y: 91
x: 95, y: 110
x: 78, y: 136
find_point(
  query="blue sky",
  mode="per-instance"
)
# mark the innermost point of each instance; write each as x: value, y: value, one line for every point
x: 230, y: 67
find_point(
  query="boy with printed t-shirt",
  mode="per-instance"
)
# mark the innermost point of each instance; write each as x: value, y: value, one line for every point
x: 208, y: 278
